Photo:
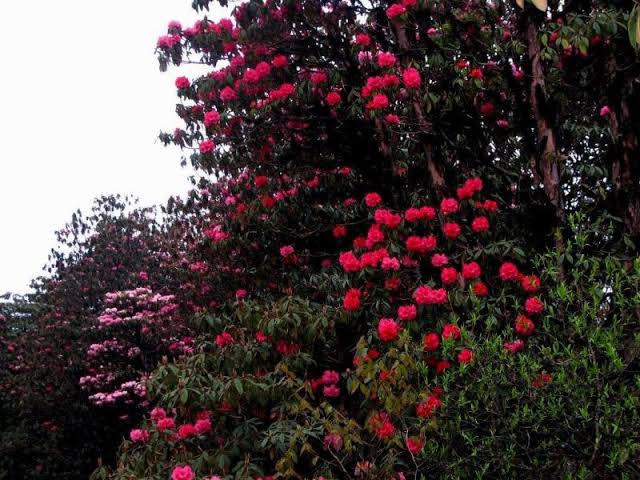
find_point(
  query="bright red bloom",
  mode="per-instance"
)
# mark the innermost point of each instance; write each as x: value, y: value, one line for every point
x: 449, y: 206
x: 182, y: 83
x: 333, y: 98
x: 411, y: 78
x: 452, y: 230
x: 386, y: 59
x: 224, y: 339
x: 352, y: 300
x: 480, y: 289
x: 465, y: 356
x: 395, y: 10
x: 388, y: 330
x: 426, y: 295
x: 471, y: 270
x: 211, y: 118
x: 428, y: 407
x: 349, y: 262
x: 524, y: 326
x: 421, y: 245
x: 533, y: 305
x: 363, y: 39
x: 449, y: 275
x: 207, y: 146
x: 508, y: 271
x: 372, y: 199
x: 407, y: 313
x: 439, y: 260
x: 331, y: 391
x: 480, y: 224
x: 451, y: 332
x: 530, y: 283
x: 382, y: 425
x: 279, y: 61
x: 431, y: 342
x: 183, y: 473
x: 379, y: 102
x: 415, y: 445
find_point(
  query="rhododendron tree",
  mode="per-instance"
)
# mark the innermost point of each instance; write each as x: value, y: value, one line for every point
x: 408, y: 253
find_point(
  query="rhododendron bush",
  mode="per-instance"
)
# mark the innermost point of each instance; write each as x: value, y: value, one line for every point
x: 409, y: 252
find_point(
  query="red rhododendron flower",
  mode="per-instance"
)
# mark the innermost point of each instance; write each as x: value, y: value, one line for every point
x: 349, y: 262
x: 395, y: 10
x: 139, y: 436
x: 333, y: 98
x: 421, y: 245
x: 386, y: 59
x: 339, y: 231
x: 261, y: 337
x: 449, y: 206
x: 182, y: 473
x: 431, y: 342
x: 415, y: 445
x: 227, y: 94
x: 388, y: 329
x: 480, y: 289
x: 471, y: 270
x: 465, y: 356
x: 524, y: 326
x: 330, y: 377
x: 279, y: 61
x: 211, y: 118
x: 167, y: 423
x: 382, y: 425
x: 378, y: 102
x: 480, y: 224
x: 533, y: 305
x: 187, y: 430
x: 407, y: 313
x: 352, y: 300
x: 286, y: 251
x: 426, y: 295
x: 224, y: 339
x: 449, y: 275
x: 182, y: 83
x: 372, y: 200
x: 451, y: 332
x: 428, y: 407
x: 490, y: 206
x: 530, y: 283
x: 452, y: 230
x: 476, y: 73
x: 207, y: 146
x: 411, y: 78
x: 439, y: 260
x: 363, y: 39
x: 508, y: 271
x: 331, y: 391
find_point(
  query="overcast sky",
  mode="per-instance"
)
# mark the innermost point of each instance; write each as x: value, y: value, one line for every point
x: 81, y: 104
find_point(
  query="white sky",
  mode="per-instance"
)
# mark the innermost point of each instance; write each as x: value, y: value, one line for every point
x: 81, y: 104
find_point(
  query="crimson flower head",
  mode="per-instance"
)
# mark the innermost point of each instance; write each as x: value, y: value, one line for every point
x: 388, y: 330
x: 508, y: 272
x: 465, y: 356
